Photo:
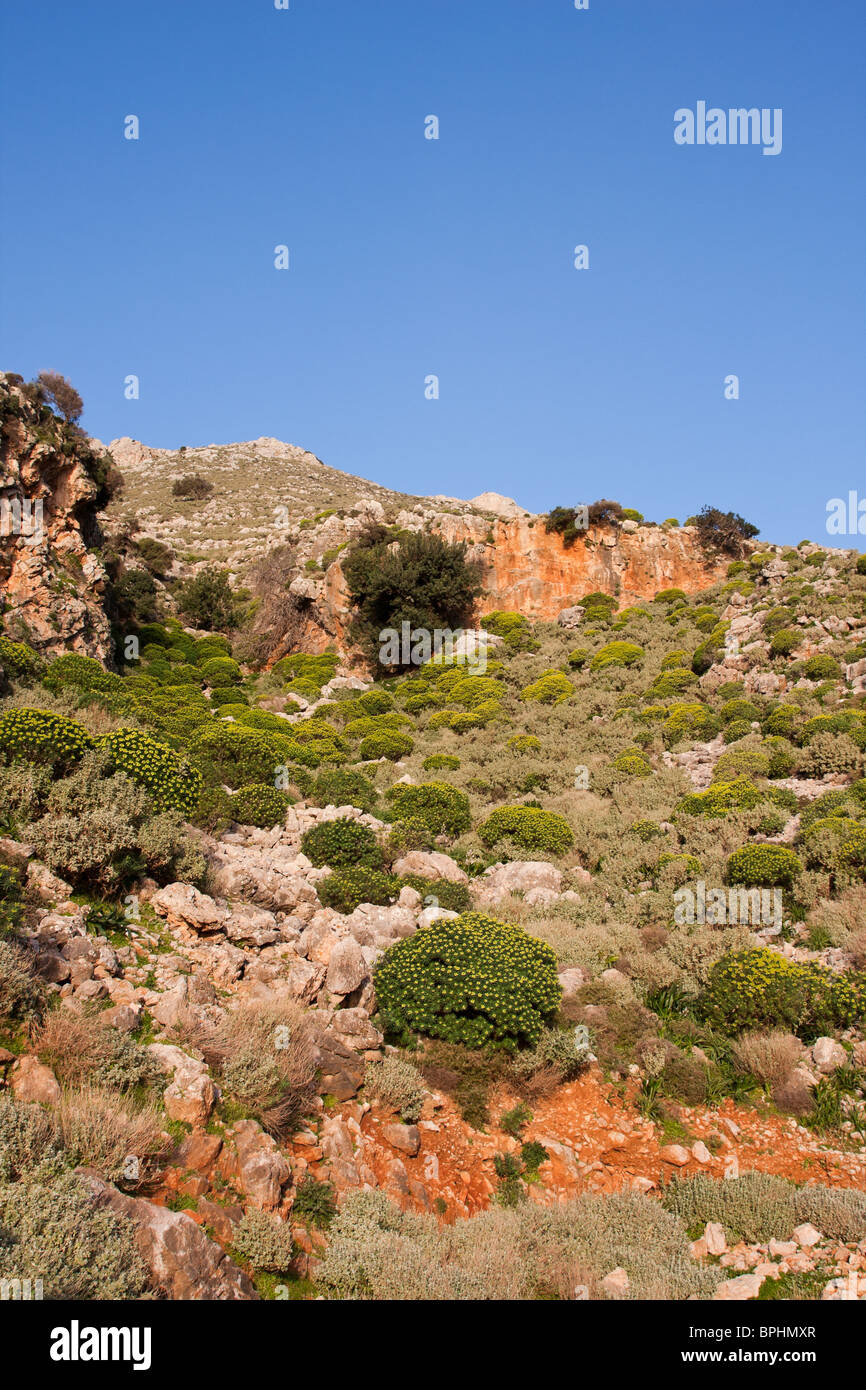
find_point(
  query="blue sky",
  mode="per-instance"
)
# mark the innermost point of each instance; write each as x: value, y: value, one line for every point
x: 412, y: 257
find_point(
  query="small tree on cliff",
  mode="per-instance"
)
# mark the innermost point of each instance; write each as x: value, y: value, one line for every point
x: 726, y: 531
x: 412, y: 577
x: 61, y: 395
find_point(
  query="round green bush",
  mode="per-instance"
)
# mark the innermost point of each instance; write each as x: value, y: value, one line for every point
x: 737, y: 729
x: 260, y: 805
x: 766, y: 866
x: 524, y: 743
x: 221, y: 671
x: 632, y: 763
x: 345, y: 889
x: 785, y: 640
x: 172, y: 784
x: 762, y: 989
x: 822, y: 667
x: 578, y: 658
x: 737, y: 710
x: 530, y: 827
x: 445, y: 762
x: 550, y: 689
x: 41, y: 737
x: 388, y: 743
x: 689, y: 721
x: 18, y: 659
x: 338, y: 787
x: 341, y: 843
x: 472, y: 980
x: 443, y: 808
x: 80, y: 673
x: 617, y: 654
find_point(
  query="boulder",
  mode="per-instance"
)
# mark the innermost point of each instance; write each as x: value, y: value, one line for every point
x: 184, y: 906
x: 406, y: 1138
x: 31, y: 1081
x: 185, y: 1264
x: 827, y: 1055
x: 431, y: 865
x: 252, y: 1163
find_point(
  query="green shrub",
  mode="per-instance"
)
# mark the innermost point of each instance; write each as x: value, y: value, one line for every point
x: 524, y: 743
x: 213, y: 812
x: 346, y: 888
x: 221, y: 671
x: 442, y: 807
x: 737, y: 729
x: 513, y: 628
x: 341, y: 843
x: 530, y: 827
x: 445, y: 762
x: 19, y: 660
x: 760, y: 1207
x: 315, y: 1202
x: 617, y: 654
x: 53, y: 1229
x: 689, y: 721
x: 767, y: 866
x: 337, y: 787
x: 760, y: 989
x: 737, y: 710
x: 399, y: 1084
x: 42, y: 737
x: 741, y: 762
x: 633, y: 763
x: 388, y: 743
x: 822, y: 667
x: 171, y: 782
x: 785, y: 640
x: 472, y: 980
x: 263, y: 1241
x: 671, y: 683
x: 551, y: 688
x: 261, y: 805
x: 72, y: 671
x: 578, y: 658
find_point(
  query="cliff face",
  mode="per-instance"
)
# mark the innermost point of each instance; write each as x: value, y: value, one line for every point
x: 528, y: 570
x: 52, y: 584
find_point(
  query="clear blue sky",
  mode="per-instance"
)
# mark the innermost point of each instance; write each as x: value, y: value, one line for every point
x: 454, y: 257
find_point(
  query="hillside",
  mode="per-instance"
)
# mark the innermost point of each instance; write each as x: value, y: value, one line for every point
x: 541, y: 976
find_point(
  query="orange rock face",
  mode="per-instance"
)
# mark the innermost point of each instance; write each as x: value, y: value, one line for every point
x: 528, y: 570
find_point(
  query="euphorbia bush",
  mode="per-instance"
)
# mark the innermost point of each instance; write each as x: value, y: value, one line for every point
x: 473, y: 980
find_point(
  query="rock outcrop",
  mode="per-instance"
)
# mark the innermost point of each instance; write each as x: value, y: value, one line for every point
x: 51, y: 484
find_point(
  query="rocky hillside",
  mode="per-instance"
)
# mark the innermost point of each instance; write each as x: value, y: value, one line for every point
x: 540, y: 978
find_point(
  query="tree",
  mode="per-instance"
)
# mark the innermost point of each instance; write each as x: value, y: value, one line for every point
x: 61, y: 395
x: 412, y: 577
x: 209, y: 601
x: 725, y: 531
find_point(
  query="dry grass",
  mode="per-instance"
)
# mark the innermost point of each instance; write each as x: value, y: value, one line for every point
x: 771, y: 1057
x: 264, y: 1056
x: 105, y: 1131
